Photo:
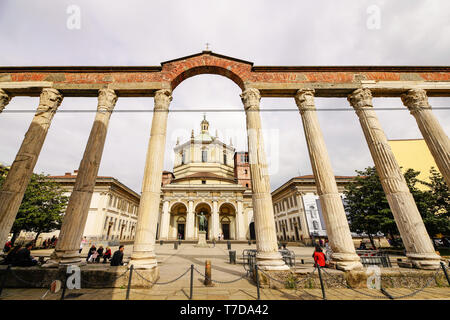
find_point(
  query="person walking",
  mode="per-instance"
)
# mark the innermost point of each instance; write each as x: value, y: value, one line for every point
x: 82, y: 244
x: 117, y: 259
x: 319, y: 257
x: 107, y: 255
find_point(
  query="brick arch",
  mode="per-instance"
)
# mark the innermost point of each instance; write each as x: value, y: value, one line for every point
x: 216, y: 70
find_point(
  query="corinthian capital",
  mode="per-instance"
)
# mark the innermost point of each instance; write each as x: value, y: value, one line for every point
x: 304, y: 98
x: 107, y: 99
x: 162, y: 99
x: 415, y: 100
x: 250, y: 98
x: 50, y: 100
x: 360, y: 98
x: 4, y: 99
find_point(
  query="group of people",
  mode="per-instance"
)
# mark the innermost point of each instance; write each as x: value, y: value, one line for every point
x: 19, y: 256
x: 94, y: 255
x: 50, y: 242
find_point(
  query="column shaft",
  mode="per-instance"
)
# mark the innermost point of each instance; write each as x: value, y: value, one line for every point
x: 344, y: 255
x: 268, y: 257
x: 432, y: 132
x: 419, y: 248
x: 165, y: 221
x: 240, y: 232
x: 215, y: 221
x: 66, y: 251
x: 143, y: 255
x: 16, y: 182
x: 190, y: 221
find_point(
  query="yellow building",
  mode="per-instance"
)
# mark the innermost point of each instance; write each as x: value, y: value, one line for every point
x: 414, y: 153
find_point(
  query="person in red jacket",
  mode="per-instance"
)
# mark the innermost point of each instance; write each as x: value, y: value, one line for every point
x: 107, y: 254
x: 319, y: 257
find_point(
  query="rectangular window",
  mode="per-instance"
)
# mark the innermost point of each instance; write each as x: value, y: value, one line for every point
x: 204, y: 156
x: 224, y: 158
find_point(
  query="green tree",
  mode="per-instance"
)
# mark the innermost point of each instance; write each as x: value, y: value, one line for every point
x: 369, y: 210
x: 42, y: 206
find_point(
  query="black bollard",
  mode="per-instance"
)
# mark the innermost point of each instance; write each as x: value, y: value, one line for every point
x: 161, y: 242
x: 4, y: 278
x: 129, y: 283
x: 175, y: 245
x: 229, y: 244
x: 192, y: 282
x: 232, y: 254
x: 321, y: 283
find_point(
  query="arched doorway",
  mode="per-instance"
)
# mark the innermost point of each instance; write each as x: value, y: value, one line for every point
x: 227, y: 218
x: 203, y: 209
x: 252, y: 231
x: 177, y: 227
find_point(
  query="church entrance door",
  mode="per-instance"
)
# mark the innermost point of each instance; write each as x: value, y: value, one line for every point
x: 181, y: 231
x: 226, y: 231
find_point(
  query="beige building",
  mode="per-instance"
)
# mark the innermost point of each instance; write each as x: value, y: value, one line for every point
x: 204, y: 182
x: 113, y: 209
x: 297, y: 209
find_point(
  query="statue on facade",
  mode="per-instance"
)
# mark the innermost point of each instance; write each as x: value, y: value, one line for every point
x: 202, y: 221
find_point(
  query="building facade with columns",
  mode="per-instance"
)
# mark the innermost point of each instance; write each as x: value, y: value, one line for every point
x: 112, y: 211
x: 204, y: 181
x: 297, y: 209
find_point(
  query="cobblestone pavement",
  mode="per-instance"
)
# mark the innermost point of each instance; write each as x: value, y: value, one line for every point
x: 173, y: 263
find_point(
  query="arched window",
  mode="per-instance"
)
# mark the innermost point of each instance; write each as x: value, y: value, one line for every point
x: 204, y: 155
x: 224, y: 158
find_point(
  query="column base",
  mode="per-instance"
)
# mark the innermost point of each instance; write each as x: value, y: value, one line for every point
x: 271, y: 261
x: 64, y: 258
x: 426, y: 261
x: 346, y: 261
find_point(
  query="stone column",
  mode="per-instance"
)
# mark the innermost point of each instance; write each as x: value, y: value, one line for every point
x: 437, y: 141
x: 268, y: 257
x: 190, y: 219
x: 165, y: 221
x: 240, y: 228
x: 16, y: 182
x: 419, y: 248
x: 66, y: 251
x: 4, y: 100
x: 143, y: 255
x: 344, y: 255
x: 215, y: 221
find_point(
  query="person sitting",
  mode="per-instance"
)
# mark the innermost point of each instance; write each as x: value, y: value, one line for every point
x: 23, y: 257
x: 11, y: 254
x: 99, y: 254
x: 319, y: 257
x: 7, y: 246
x: 92, y: 249
x: 117, y: 259
x: 107, y: 255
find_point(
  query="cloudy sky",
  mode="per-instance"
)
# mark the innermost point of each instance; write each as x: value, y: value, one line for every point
x: 146, y: 33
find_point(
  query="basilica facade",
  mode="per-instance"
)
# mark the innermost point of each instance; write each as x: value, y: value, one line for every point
x: 209, y: 178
